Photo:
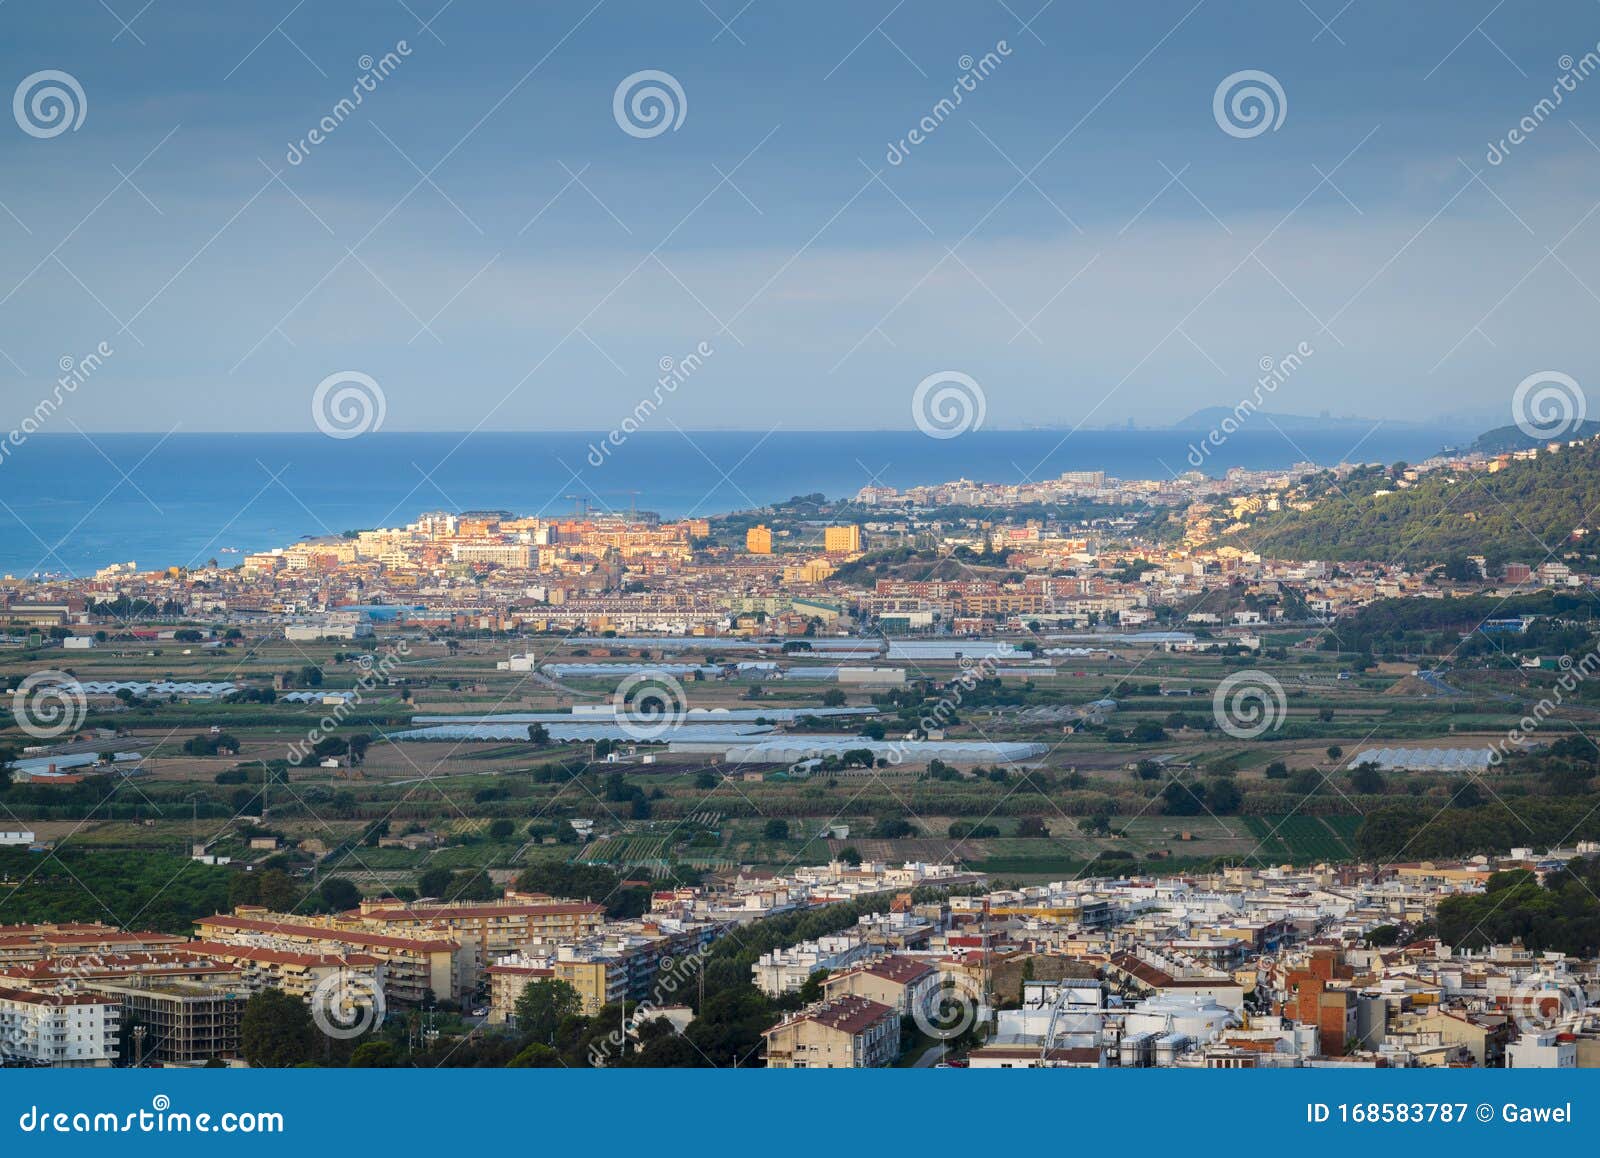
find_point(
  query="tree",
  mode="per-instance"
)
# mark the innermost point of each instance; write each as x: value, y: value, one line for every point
x: 849, y: 855
x: 777, y: 829
x: 892, y: 828
x: 833, y: 698
x: 1306, y: 781
x: 537, y: 1056
x: 501, y: 829
x: 542, y: 1006
x: 1223, y: 796
x: 339, y: 894
x: 472, y: 885
x: 1032, y: 826
x: 1183, y: 798
x: 276, y: 1031
x: 435, y: 882
x: 1367, y: 779
x: 538, y: 735
x: 374, y: 1055
x: 811, y: 990
x: 277, y: 891
x: 1334, y: 751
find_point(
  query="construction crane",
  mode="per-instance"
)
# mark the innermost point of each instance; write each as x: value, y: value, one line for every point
x: 581, y: 502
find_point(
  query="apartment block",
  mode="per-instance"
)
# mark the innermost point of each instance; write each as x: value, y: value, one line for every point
x: 412, y: 966
x: 186, y: 1022
x: 845, y: 1033
x: 58, y: 1029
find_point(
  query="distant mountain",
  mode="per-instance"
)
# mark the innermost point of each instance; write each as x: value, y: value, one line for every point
x: 1502, y: 439
x: 1210, y: 418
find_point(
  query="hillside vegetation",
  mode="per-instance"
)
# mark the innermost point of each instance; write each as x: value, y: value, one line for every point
x: 1526, y: 512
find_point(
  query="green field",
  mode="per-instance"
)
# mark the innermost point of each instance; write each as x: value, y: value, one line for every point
x: 1304, y: 839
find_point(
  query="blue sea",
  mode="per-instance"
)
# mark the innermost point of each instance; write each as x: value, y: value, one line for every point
x: 72, y: 505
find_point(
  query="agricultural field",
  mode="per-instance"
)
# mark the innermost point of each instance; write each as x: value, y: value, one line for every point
x: 1153, y: 785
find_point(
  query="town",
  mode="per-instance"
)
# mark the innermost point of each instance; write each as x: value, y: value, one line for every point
x: 1069, y: 774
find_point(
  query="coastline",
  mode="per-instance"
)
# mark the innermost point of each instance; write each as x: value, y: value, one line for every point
x: 187, y: 497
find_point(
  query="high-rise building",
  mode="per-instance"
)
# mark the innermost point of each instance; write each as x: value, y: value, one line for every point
x: 841, y: 540
x: 758, y: 540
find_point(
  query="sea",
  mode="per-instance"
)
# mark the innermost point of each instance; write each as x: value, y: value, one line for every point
x: 71, y: 504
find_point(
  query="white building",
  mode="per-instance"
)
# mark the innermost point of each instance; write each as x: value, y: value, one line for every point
x: 786, y: 970
x: 58, y: 1029
x: 1542, y: 1051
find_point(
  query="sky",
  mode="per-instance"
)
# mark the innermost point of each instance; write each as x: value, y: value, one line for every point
x: 1085, y: 237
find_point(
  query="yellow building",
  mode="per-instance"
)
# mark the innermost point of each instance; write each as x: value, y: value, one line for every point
x: 496, y: 927
x: 411, y: 967
x: 898, y: 982
x: 841, y: 540
x: 811, y: 571
x: 506, y: 983
x: 845, y: 1033
x: 758, y: 540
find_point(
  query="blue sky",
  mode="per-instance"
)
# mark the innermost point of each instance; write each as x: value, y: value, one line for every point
x: 1080, y: 236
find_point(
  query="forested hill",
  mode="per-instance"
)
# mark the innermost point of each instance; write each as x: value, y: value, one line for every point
x: 1507, y: 438
x: 1521, y: 513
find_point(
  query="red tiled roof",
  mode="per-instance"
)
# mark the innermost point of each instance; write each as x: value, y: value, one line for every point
x: 29, y: 997
x: 115, y: 964
x: 280, y: 956
x: 848, y: 1014
x: 446, y: 912
x: 319, y: 933
x: 900, y: 969
x: 110, y: 937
